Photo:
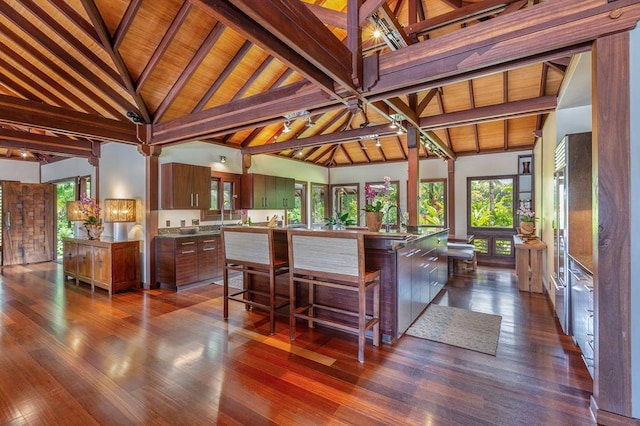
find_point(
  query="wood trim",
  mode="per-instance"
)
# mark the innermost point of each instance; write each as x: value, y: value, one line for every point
x: 612, y: 213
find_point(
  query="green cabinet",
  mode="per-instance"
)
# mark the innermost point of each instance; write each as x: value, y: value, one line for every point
x: 267, y: 192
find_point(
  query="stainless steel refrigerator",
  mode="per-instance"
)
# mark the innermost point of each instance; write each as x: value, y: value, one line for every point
x: 559, y: 276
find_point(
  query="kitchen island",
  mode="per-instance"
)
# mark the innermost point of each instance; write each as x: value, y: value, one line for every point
x: 413, y: 269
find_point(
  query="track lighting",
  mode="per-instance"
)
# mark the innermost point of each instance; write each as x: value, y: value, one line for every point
x: 378, y: 143
x: 23, y: 153
x: 394, y: 124
x: 223, y: 159
x: 310, y: 122
x: 287, y: 127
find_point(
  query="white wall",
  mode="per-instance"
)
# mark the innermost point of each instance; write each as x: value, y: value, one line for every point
x: 634, y: 71
x: 21, y: 171
x: 69, y: 168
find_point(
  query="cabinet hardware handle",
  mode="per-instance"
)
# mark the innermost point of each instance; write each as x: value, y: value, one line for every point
x: 197, y: 200
x: 208, y: 241
x: 190, y: 243
x: 191, y: 199
x: 208, y: 249
x: 589, y: 312
x: 7, y: 220
x: 187, y: 251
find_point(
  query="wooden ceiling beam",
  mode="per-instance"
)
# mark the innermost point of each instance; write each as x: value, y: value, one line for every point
x: 39, y: 115
x: 522, y: 34
x: 239, y: 22
x: 523, y: 108
x: 125, y: 23
x: 167, y: 38
x: 203, y: 50
x: 226, y: 72
x: 37, y: 72
x: 140, y: 108
x: 328, y: 16
x: 253, y: 110
x: 56, y: 70
x: 462, y: 15
x: 73, y: 16
x: 14, y: 139
x: 37, y: 91
x: 66, y: 57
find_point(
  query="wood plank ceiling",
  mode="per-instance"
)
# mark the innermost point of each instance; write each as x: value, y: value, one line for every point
x: 281, y: 76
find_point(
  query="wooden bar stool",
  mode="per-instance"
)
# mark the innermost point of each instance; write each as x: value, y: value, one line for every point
x: 333, y: 260
x: 251, y: 250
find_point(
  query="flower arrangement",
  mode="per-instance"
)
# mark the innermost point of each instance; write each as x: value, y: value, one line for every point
x: 90, y: 209
x: 371, y: 192
x: 339, y: 220
x: 525, y: 213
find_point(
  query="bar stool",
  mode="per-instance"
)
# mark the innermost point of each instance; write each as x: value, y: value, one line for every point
x: 251, y: 250
x: 333, y: 260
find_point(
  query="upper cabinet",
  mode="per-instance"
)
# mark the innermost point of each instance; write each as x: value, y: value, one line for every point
x: 185, y: 186
x: 267, y: 192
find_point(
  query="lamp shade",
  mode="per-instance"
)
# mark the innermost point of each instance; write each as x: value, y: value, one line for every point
x: 119, y: 210
x: 73, y: 211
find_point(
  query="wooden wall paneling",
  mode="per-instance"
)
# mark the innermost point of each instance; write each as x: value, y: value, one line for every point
x: 611, y: 211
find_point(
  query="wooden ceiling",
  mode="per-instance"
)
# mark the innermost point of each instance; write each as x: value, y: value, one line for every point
x: 307, y: 80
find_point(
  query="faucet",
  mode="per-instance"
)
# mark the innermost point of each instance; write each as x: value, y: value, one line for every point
x: 222, y: 215
x: 399, y: 215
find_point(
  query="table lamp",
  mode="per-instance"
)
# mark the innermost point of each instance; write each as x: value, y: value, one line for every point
x: 119, y: 211
x: 74, y: 215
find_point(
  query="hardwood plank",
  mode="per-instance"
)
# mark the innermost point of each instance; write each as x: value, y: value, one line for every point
x: 159, y: 357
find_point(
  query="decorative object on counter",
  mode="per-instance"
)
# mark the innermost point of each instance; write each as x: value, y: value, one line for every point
x: 90, y: 213
x: 471, y: 330
x: 527, y: 219
x: 272, y: 222
x: 244, y: 215
x: 375, y: 196
x: 119, y: 211
x: 339, y: 221
x: 526, y: 167
x: 374, y: 221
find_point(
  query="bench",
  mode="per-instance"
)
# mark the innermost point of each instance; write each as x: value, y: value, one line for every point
x: 461, y: 252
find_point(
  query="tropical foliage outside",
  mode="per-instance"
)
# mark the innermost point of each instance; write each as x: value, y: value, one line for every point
x: 65, y: 191
x: 431, y: 205
x: 491, y: 203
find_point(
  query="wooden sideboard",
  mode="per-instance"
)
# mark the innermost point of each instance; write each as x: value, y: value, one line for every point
x: 111, y: 265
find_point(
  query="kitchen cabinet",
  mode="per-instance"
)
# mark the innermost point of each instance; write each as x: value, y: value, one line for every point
x: 111, y: 265
x: 181, y: 261
x: 581, y: 282
x: 185, y: 186
x: 267, y: 192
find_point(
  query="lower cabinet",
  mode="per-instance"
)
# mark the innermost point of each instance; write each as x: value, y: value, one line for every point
x: 187, y: 260
x: 581, y: 282
x: 111, y: 265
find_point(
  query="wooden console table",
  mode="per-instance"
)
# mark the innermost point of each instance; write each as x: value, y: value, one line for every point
x: 529, y: 264
x: 111, y: 265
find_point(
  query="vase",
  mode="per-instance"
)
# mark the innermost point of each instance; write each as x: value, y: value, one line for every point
x: 93, y: 231
x: 374, y: 221
x: 526, y: 167
x: 527, y: 228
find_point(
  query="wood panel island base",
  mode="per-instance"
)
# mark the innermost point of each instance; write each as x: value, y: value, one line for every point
x: 413, y: 269
x: 111, y: 265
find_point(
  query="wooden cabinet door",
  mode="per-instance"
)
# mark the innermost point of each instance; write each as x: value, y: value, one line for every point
x: 201, y: 186
x: 102, y: 266
x: 28, y: 215
x: 207, y: 257
x: 286, y: 190
x: 185, y: 186
x: 85, y: 262
x: 186, y: 261
x: 70, y: 257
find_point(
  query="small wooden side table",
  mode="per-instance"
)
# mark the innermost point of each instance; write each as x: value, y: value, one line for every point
x: 529, y: 263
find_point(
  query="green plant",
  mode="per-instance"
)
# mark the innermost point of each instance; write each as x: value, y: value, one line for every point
x: 340, y: 219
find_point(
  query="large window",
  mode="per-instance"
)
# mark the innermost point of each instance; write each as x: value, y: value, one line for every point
x: 432, y: 205
x: 298, y: 214
x: 319, y: 203
x: 345, y: 200
x: 491, y: 202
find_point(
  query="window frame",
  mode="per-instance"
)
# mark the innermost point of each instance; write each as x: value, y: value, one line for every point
x: 445, y: 201
x: 513, y: 179
x: 332, y: 200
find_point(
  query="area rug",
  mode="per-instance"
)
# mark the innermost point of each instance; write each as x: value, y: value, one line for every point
x: 471, y: 330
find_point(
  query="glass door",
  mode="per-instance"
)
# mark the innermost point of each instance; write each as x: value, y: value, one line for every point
x: 65, y: 191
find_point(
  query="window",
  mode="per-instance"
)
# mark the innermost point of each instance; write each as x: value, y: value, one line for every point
x: 491, y: 202
x: 299, y: 213
x: 391, y: 203
x: 319, y: 203
x: 432, y: 210
x: 224, y: 194
x: 345, y: 200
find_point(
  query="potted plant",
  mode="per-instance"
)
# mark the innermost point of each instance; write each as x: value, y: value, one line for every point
x: 375, y: 200
x: 90, y: 209
x: 527, y: 219
x: 339, y: 221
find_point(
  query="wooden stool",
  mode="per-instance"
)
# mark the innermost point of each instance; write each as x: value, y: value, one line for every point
x: 251, y: 251
x: 333, y: 259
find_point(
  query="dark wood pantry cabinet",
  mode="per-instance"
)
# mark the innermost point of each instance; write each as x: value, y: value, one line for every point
x: 185, y: 186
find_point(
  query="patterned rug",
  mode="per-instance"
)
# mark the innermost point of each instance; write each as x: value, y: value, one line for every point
x: 471, y: 330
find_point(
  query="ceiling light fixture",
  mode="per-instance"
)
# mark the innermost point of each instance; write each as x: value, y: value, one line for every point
x: 223, y: 159
x: 23, y: 153
x: 394, y: 124
x: 378, y: 143
x: 310, y: 122
x: 287, y: 127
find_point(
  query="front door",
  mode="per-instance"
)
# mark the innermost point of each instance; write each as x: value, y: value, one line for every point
x: 28, y: 212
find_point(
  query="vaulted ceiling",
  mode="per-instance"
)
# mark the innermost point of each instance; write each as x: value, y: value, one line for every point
x: 309, y: 80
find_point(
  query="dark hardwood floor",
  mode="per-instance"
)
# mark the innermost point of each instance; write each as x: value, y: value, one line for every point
x: 69, y: 356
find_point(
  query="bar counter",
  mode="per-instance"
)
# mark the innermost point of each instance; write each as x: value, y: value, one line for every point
x: 413, y: 268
